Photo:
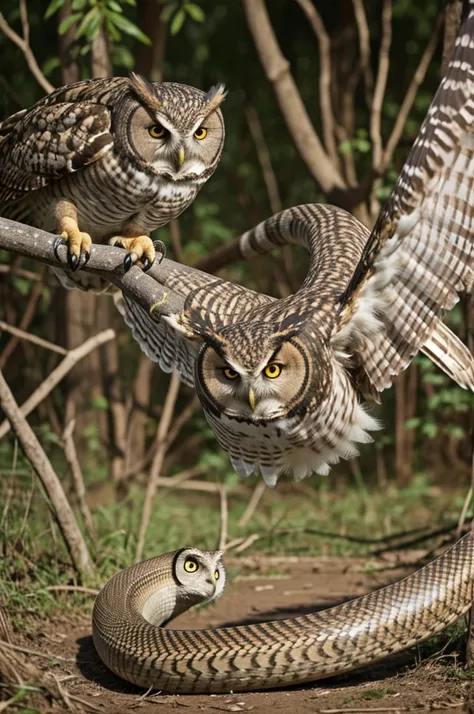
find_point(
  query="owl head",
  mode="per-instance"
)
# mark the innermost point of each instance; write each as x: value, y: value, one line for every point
x: 173, y: 130
x: 256, y: 372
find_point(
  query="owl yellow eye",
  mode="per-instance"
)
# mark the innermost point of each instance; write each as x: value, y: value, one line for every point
x: 272, y: 371
x: 231, y: 373
x: 191, y: 565
x: 216, y: 575
x: 157, y: 131
x: 200, y: 133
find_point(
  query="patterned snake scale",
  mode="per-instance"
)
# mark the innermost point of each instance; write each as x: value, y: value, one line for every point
x: 272, y: 654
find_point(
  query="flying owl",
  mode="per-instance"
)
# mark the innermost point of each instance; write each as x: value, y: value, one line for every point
x: 285, y: 383
x: 109, y: 160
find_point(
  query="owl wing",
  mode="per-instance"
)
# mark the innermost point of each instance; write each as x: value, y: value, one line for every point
x: 49, y: 141
x: 420, y: 256
x: 210, y: 305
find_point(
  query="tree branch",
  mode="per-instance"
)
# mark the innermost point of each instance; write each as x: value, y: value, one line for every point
x: 277, y: 70
x: 380, y: 84
x: 105, y: 261
x: 23, y: 44
x: 327, y: 116
x: 407, y: 103
x: 36, y: 456
x: 64, y: 367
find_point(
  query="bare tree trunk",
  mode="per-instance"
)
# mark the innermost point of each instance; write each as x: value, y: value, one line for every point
x: 101, y: 65
x: 136, y: 438
x: 69, y: 68
x: 150, y: 58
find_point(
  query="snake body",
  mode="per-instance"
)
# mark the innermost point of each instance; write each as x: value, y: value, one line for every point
x: 270, y: 654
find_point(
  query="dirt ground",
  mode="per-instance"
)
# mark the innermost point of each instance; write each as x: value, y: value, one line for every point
x: 264, y: 588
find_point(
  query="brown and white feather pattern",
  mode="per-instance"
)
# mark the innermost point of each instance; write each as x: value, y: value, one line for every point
x: 420, y: 256
x: 89, y: 144
x: 368, y: 304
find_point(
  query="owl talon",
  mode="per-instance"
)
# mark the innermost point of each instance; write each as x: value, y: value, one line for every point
x: 129, y: 261
x: 139, y: 249
x: 160, y: 247
x: 73, y: 262
x: 78, y: 243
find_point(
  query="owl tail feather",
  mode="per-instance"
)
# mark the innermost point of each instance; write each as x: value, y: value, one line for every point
x: 451, y: 355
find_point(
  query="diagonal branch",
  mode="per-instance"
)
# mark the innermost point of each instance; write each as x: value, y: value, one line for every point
x: 364, y: 48
x: 380, y: 84
x: 24, y: 45
x: 36, y: 456
x: 407, y: 103
x: 277, y: 70
x: 327, y: 116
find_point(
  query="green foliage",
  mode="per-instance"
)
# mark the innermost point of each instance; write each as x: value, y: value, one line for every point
x: 90, y: 16
x: 176, y: 13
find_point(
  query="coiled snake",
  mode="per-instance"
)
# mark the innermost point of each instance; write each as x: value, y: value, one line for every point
x: 131, y: 607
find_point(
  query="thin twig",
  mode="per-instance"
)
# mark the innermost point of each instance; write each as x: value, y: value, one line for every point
x: 264, y: 158
x: 257, y: 494
x: 224, y: 518
x: 163, y: 427
x: 22, y: 335
x: 364, y: 48
x: 20, y: 272
x: 78, y: 479
x: 23, y: 44
x: 24, y: 322
x: 407, y: 103
x: 35, y: 653
x: 63, y: 368
x: 52, y: 485
x: 277, y: 70
x: 380, y: 85
x: 325, y: 104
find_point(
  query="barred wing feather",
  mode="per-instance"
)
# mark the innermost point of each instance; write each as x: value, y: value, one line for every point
x: 420, y: 256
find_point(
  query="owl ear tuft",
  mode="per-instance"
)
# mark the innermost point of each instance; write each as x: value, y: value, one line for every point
x: 144, y: 91
x: 214, y: 98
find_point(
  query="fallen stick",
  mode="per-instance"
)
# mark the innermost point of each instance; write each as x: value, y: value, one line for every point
x: 71, y: 359
x: 35, y: 454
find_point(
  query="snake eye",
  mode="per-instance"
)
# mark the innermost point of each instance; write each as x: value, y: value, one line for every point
x: 191, y: 565
x: 200, y: 133
x: 231, y: 373
x: 272, y: 371
x: 157, y: 131
x: 216, y: 575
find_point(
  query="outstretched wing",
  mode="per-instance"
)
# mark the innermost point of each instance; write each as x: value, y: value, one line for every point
x: 210, y: 304
x: 420, y: 255
x: 160, y: 341
x: 49, y: 141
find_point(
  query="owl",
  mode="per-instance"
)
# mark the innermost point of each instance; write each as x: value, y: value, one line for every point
x: 286, y: 384
x: 109, y: 160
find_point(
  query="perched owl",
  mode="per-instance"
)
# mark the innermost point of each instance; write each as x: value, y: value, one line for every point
x: 283, y: 383
x: 109, y: 160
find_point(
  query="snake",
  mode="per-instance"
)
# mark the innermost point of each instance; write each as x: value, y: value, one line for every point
x: 131, y: 609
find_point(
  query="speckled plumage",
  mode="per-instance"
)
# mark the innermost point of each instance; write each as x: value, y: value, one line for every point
x: 87, y: 147
x: 369, y: 303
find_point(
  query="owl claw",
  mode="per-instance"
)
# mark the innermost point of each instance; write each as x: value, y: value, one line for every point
x: 160, y: 247
x: 78, y: 244
x: 73, y: 262
x: 129, y: 261
x: 139, y: 249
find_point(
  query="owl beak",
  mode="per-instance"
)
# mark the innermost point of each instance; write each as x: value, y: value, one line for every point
x: 252, y: 399
x: 181, y: 156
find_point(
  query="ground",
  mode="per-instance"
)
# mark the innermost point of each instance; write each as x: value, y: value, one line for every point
x: 261, y: 588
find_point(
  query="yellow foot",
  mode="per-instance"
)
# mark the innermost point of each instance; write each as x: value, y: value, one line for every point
x: 78, y: 243
x: 140, y: 249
